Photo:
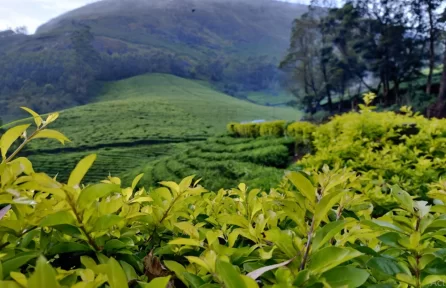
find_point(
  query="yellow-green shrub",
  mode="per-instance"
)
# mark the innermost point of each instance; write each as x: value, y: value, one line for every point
x: 231, y: 128
x: 315, y: 229
x: 247, y: 130
x: 301, y: 130
x: 275, y: 128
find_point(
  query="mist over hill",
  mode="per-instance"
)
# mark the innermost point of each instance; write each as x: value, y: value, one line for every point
x: 234, y: 44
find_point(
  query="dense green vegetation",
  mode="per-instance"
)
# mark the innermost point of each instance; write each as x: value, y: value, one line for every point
x: 63, y: 64
x: 369, y: 45
x: 223, y: 162
x: 157, y: 113
x: 317, y: 228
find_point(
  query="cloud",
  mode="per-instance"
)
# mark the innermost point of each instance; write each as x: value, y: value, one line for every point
x: 33, y: 13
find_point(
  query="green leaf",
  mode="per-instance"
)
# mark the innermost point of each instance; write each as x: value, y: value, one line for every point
x: 136, y: 180
x: 1, y: 271
x: 114, y: 244
x: 302, y: 184
x: 391, y: 239
x: 81, y: 169
x: 193, y: 280
x: 68, y: 229
x: 36, y: 116
x: 185, y: 183
x: 90, y: 194
x: 9, y: 284
x: 25, y: 164
x: 229, y: 275
x: 177, y: 268
x: 249, y: 282
x: 19, y: 278
x: 346, y: 277
x: 52, y: 134
x: 106, y: 221
x: 43, y: 276
x: 10, y: 137
x: 184, y: 241
x: 433, y: 279
x: 403, y: 198
x: 68, y: 247
x: 325, y: 204
x: 160, y: 282
x: 302, y: 277
x: 129, y: 271
x: 17, y: 262
x: 115, y: 274
x: 330, y: 257
x: 327, y: 232
x: 58, y: 218
x: 26, y: 240
x: 386, y: 266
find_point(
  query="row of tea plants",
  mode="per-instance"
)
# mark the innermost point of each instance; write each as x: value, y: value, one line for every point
x: 316, y: 229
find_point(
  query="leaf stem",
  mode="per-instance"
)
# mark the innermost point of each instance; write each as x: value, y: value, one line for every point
x: 26, y: 141
x: 81, y: 225
x: 307, y: 246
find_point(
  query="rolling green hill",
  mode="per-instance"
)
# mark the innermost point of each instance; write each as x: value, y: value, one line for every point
x: 133, y: 119
x: 234, y: 44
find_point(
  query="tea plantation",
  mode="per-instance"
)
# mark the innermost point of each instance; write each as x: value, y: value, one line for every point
x: 157, y: 113
x: 322, y: 226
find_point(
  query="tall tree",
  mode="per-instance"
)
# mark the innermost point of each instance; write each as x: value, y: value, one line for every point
x: 429, y: 17
x: 304, y: 63
x: 438, y: 109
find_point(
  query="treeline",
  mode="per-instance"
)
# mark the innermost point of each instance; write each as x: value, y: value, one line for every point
x: 52, y: 72
x: 369, y: 45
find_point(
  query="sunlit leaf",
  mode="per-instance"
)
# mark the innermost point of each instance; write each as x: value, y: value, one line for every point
x: 51, y: 134
x: 229, y: 275
x: 36, y: 116
x: 92, y: 193
x: 81, y: 169
x: 10, y: 137
x: 43, y: 276
x: 116, y: 275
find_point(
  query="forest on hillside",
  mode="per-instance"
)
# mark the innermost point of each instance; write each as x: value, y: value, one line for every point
x: 395, y: 49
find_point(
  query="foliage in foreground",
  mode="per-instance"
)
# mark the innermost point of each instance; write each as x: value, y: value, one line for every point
x: 384, y: 148
x: 313, y: 230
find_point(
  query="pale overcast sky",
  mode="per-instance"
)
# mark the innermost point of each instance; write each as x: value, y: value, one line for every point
x: 33, y: 13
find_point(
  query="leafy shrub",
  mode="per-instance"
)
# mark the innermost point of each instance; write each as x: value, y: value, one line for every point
x: 387, y: 148
x: 231, y: 128
x: 275, y: 128
x: 247, y: 130
x: 314, y: 229
x: 301, y: 130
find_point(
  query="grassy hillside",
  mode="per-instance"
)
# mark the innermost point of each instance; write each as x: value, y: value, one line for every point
x: 235, y: 44
x: 133, y: 120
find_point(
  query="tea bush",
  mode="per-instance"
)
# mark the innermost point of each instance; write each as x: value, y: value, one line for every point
x: 386, y: 148
x: 314, y: 229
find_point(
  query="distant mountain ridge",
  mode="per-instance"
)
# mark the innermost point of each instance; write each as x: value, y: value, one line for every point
x: 235, y: 44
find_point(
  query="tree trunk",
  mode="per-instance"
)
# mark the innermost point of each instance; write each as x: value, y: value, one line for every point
x: 438, y: 108
x: 327, y: 87
x: 431, y: 52
x: 442, y: 93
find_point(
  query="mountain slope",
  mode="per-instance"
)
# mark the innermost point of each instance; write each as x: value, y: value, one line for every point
x: 234, y: 44
x: 140, y: 119
x: 154, y: 108
x: 261, y: 26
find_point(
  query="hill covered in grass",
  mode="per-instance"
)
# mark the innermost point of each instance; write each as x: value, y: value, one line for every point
x: 143, y: 118
x: 236, y: 45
